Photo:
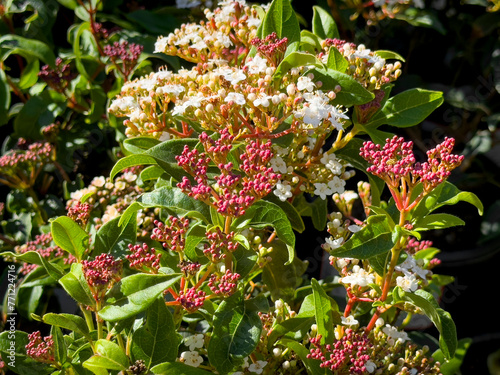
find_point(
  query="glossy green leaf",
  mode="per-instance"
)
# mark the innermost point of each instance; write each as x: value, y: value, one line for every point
x: 374, y: 239
x: 114, y: 239
x: 70, y: 322
x: 408, y: 108
x: 152, y: 172
x: 294, y: 59
x: 336, y: 60
x: 290, y: 210
x: 294, y: 328
x: 326, y: 313
x: 312, y: 365
x: 281, y: 277
x: 164, y: 155
x: 16, y: 44
x: 281, y: 19
x: 4, y: 98
x: 138, y: 145
x: 267, y: 214
x: 446, y: 194
x: 352, y: 93
x: 195, y: 234
x: 437, y: 221
x: 236, y: 333
x: 441, y: 319
x: 388, y: 55
x: 157, y: 341
x: 131, y: 161
x: 135, y: 294
x: 30, y: 74
x: 76, y: 286
x: 69, y: 236
x: 309, y: 42
x: 108, y: 356
x: 452, y: 366
x: 178, y: 368
x: 59, y: 346
x: 33, y: 257
x: 323, y: 24
x: 317, y: 210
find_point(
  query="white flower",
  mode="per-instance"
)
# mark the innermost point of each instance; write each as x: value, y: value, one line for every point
x: 262, y: 100
x: 233, y: 76
x: 336, y: 185
x: 370, y: 366
x: 393, y: 333
x: 358, y: 277
x: 257, y: 367
x: 98, y: 181
x: 283, y: 191
x: 165, y: 136
x: 354, y: 228
x: 408, y: 283
x: 305, y: 83
x: 322, y: 190
x: 192, y: 358
x: 256, y: 65
x: 349, y: 196
x: 161, y: 45
x: 349, y: 321
x: 331, y: 244
x: 410, y: 265
x: 235, y: 97
x: 194, y: 341
x: 278, y: 165
x: 110, y: 213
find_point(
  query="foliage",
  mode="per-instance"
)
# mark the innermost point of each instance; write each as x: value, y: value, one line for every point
x: 182, y: 257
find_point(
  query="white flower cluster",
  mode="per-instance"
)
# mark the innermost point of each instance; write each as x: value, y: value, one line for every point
x: 410, y: 269
x: 358, y: 276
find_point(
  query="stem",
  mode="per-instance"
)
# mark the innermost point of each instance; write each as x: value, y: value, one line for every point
x: 88, y: 318
x: 99, y: 321
x: 229, y: 255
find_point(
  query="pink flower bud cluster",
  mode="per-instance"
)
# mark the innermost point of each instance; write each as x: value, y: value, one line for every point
x: 224, y: 285
x: 42, y: 244
x: 37, y: 152
x: 219, y: 244
x: 413, y: 246
x: 196, y: 165
x: 41, y: 350
x: 189, y: 268
x: 79, y: 213
x: 271, y: 47
x: 101, y: 273
x: 395, y: 164
x: 126, y: 53
x: 172, y: 234
x: 192, y: 299
x: 57, y: 78
x: 144, y: 258
x: 347, y: 355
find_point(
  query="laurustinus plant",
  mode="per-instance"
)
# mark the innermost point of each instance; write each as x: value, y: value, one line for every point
x: 183, y: 260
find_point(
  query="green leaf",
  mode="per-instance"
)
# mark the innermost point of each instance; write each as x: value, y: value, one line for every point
x: 76, y: 286
x: 452, y: 366
x: 263, y: 214
x: 446, y: 194
x: 164, y: 155
x: 138, y: 145
x: 69, y: 236
x: 294, y: 328
x: 59, y: 346
x: 135, y: 293
x: 195, y: 234
x: 30, y: 74
x: 4, y: 98
x: 131, y: 161
x: 178, y: 368
x: 281, y: 277
x: 352, y: 93
x: 108, y: 356
x: 407, y: 109
x: 13, y: 351
x: 16, y: 44
x: 437, y: 221
x: 114, y: 239
x: 33, y: 257
x: 236, y: 333
x: 281, y: 19
x: 441, y: 319
x: 312, y: 365
x: 326, y: 313
x: 317, y: 210
x: 309, y: 42
x: 323, y: 24
x: 294, y: 59
x: 157, y: 341
x: 152, y: 172
x: 70, y: 322
x: 292, y: 213
x: 374, y: 239
x: 388, y: 55
x: 336, y: 60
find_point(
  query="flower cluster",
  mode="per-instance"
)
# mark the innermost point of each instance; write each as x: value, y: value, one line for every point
x: 172, y: 234
x: 224, y: 285
x: 41, y: 349
x: 374, y: 11
x: 191, y: 299
x: 80, y: 213
x: 57, y: 78
x: 144, y: 258
x: 19, y: 168
x: 124, y: 56
x: 395, y: 163
x: 219, y: 244
x: 101, y: 273
x: 271, y: 47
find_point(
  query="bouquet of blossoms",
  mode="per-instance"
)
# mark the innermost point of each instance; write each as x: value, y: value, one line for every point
x: 183, y: 259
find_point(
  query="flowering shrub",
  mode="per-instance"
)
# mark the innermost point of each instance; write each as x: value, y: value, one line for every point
x: 183, y: 259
